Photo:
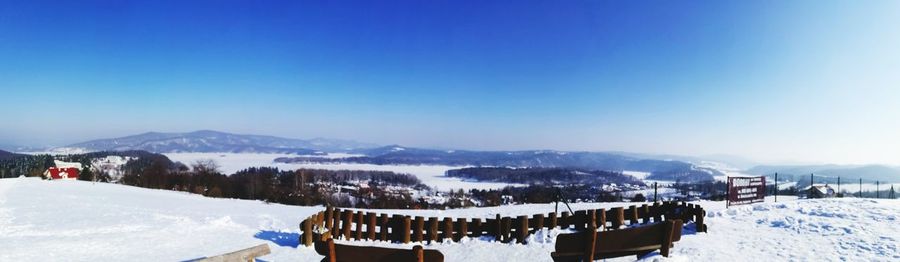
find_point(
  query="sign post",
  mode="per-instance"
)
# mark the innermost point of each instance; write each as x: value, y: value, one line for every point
x: 746, y: 190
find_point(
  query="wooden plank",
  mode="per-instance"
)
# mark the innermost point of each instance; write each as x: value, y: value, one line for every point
x: 248, y: 254
x: 419, y: 230
x: 564, y: 220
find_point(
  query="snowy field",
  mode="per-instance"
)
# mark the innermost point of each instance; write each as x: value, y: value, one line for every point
x: 80, y: 221
x: 431, y: 175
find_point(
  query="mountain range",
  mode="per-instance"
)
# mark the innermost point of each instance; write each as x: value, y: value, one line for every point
x: 207, y: 141
x: 660, y: 167
x: 830, y: 173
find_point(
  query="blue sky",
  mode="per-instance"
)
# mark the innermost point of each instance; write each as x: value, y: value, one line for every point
x: 807, y: 81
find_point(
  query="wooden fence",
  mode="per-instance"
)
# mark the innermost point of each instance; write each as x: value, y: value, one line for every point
x: 360, y: 225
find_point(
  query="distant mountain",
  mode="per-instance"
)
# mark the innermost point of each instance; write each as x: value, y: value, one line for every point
x: 214, y: 141
x: 828, y: 173
x: 395, y: 154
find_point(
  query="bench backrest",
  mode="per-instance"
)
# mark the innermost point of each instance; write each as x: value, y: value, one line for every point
x: 623, y: 242
x: 341, y: 253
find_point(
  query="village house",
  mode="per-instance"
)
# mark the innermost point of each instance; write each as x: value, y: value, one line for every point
x: 63, y: 170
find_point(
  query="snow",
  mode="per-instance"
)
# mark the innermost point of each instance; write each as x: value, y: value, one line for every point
x: 431, y: 175
x: 637, y: 174
x: 79, y: 221
x: 63, y: 164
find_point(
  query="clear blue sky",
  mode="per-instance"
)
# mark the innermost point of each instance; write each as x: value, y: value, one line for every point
x: 769, y: 80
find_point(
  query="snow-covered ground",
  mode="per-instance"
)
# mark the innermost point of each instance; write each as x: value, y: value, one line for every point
x: 431, y: 175
x: 79, y: 221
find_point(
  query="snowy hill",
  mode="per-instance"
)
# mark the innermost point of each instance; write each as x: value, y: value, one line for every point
x: 80, y: 221
x: 7, y: 155
x: 214, y: 141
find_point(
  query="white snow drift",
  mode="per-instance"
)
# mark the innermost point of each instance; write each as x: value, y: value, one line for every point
x: 81, y: 221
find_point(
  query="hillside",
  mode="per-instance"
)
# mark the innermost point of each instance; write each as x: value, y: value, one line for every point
x: 214, y: 141
x: 659, y: 169
x: 82, y: 221
x: 4, y: 155
x: 829, y: 173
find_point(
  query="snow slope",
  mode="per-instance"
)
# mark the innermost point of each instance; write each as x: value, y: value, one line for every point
x: 80, y: 221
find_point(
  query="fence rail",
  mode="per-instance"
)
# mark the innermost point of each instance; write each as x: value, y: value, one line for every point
x: 359, y: 225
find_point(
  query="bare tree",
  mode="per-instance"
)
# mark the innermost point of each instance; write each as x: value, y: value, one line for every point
x: 205, y: 166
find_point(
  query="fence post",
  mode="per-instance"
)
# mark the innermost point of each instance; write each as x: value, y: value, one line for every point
x: 383, y: 225
x: 538, y: 222
x: 420, y: 228
x: 564, y: 220
x: 307, y: 231
x: 839, y: 187
x: 522, y: 231
x: 347, y: 225
x: 601, y: 218
x: 505, y: 228
x: 372, y: 218
x: 809, y: 194
x: 877, y: 185
x: 447, y: 231
x: 654, y: 191
x: 359, y: 225
x: 632, y: 215
x: 404, y: 231
x: 499, y: 228
x: 860, y: 188
x: 476, y: 227
x: 553, y: 221
x: 432, y: 229
x: 329, y: 213
x: 462, y: 229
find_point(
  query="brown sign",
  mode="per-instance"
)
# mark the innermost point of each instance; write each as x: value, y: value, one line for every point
x: 746, y: 190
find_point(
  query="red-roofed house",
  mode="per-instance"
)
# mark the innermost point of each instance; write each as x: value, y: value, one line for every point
x: 61, y: 173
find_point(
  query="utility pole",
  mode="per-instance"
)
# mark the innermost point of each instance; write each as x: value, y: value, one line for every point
x: 860, y: 188
x: 810, y: 186
x: 839, y: 187
x: 776, y: 187
x: 654, y: 191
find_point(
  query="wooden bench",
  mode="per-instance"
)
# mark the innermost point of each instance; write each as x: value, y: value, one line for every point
x: 640, y: 241
x: 347, y: 253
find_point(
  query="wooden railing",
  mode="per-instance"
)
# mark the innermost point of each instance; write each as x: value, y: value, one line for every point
x: 359, y: 225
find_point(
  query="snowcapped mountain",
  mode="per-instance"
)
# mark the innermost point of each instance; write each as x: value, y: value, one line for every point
x: 215, y: 141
